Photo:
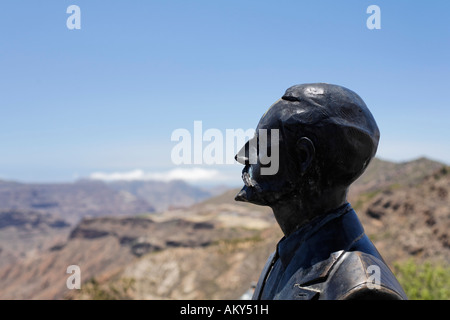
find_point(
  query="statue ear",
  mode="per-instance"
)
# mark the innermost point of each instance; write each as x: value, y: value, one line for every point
x: 305, y: 153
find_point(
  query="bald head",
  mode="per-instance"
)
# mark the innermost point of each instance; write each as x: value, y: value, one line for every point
x: 336, y: 120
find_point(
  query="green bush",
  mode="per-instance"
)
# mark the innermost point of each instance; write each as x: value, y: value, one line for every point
x: 93, y: 290
x: 424, y: 281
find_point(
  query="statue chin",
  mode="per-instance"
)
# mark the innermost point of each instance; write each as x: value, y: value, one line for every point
x: 244, y: 195
x: 251, y: 195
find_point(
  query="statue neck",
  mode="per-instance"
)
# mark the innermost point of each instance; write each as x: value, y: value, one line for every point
x: 295, y: 211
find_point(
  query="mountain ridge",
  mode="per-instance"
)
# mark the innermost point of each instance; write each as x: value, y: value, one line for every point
x: 73, y: 201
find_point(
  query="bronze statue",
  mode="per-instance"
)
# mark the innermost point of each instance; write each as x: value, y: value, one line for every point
x: 326, y: 137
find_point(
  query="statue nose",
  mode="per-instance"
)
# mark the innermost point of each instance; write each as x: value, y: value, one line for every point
x: 243, y: 155
x: 248, y: 153
x: 242, y: 159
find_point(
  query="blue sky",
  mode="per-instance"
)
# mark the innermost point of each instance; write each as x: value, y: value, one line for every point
x: 106, y: 98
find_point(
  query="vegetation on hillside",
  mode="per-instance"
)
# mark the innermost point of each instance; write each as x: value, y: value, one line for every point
x: 424, y: 281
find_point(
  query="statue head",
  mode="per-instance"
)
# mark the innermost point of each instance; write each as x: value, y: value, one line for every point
x: 325, y: 138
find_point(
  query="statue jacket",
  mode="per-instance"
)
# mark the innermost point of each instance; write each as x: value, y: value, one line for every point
x: 330, y: 258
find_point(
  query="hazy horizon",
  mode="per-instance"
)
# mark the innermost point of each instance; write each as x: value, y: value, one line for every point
x: 195, y: 175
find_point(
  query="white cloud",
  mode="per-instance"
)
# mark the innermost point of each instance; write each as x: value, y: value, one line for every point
x: 189, y: 175
x: 130, y: 175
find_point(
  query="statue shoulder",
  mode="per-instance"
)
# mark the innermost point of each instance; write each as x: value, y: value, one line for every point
x: 359, y: 275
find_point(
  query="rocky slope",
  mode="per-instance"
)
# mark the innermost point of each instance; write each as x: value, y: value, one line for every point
x: 26, y: 234
x: 104, y: 246
x: 412, y: 221
x: 381, y: 174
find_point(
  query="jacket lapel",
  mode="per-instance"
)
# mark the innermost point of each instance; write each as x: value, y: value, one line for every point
x: 298, y: 286
x: 264, y: 274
